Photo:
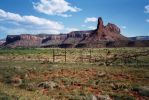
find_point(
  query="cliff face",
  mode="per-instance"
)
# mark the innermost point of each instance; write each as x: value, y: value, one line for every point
x: 110, y: 32
x: 2, y: 41
x: 30, y: 37
x: 104, y: 36
x: 12, y: 38
x: 100, y: 27
x: 99, y: 37
x: 24, y: 40
x: 103, y: 33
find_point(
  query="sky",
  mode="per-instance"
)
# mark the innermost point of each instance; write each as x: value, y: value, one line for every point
x: 63, y: 16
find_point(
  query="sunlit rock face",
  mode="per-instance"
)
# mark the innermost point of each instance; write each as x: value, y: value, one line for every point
x: 30, y: 37
x: 103, y: 36
x: 24, y: 40
x: 110, y: 32
x: 2, y: 42
x: 100, y: 26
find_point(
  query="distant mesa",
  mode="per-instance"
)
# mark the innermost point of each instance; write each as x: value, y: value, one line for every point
x: 139, y: 38
x: 2, y: 41
x: 104, y: 36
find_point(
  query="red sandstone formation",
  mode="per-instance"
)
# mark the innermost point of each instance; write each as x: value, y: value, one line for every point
x: 104, y: 36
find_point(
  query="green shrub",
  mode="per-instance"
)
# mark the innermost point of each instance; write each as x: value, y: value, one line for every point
x: 4, y: 96
x: 28, y: 85
x: 122, y: 97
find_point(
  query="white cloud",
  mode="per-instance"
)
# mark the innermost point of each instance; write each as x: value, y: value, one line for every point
x: 67, y: 30
x: 2, y: 13
x: 123, y: 27
x: 147, y: 20
x: 20, y: 30
x: 92, y: 27
x: 2, y: 28
x: 88, y: 27
x: 83, y: 25
x: 9, y: 16
x: 43, y: 22
x: 12, y: 31
x: 55, y: 7
x: 91, y: 19
x: 29, y: 23
x: 147, y: 9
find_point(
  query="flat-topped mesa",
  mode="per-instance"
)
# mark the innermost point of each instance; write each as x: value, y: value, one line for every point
x: 12, y: 38
x: 90, y: 38
x: 30, y: 37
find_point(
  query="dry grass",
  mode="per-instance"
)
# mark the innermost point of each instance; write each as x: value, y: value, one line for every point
x: 73, y: 80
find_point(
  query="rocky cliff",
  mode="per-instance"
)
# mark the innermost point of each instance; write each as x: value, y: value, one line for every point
x: 24, y: 40
x: 2, y: 41
x: 103, y: 36
x: 110, y: 32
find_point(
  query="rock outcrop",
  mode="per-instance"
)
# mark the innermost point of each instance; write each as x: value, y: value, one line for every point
x: 12, y: 38
x: 24, y: 40
x: 100, y: 26
x: 2, y: 41
x: 112, y: 28
x: 104, y: 36
x: 110, y: 32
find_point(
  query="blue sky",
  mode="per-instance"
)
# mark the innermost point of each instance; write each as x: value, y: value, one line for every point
x: 62, y: 16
